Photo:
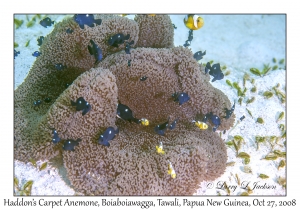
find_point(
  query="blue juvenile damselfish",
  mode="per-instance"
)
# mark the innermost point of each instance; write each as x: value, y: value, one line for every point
x: 69, y: 144
x: 117, y: 39
x: 215, y: 71
x: 109, y: 134
x: 229, y: 111
x: 214, y: 119
x: 199, y: 55
x: 161, y: 128
x: 87, y: 19
x: 36, y: 54
x: 128, y: 47
x: 95, y: 51
x: 55, y: 138
x: 173, y: 124
x: 125, y: 113
x: 40, y: 40
x: 59, y: 66
x: 180, y: 97
x: 81, y: 105
x: 46, y: 22
x: 16, y: 53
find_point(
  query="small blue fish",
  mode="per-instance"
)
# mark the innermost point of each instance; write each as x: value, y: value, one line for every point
x: 37, y: 103
x: 96, y: 51
x: 40, y: 40
x: 173, y: 124
x: 129, y: 63
x: 161, y: 128
x: 229, y: 111
x: 216, y: 72
x: 36, y: 54
x: 60, y: 66
x: 224, y: 131
x: 207, y: 67
x: 69, y: 31
x: 69, y: 144
x: 190, y: 37
x: 81, y: 105
x: 216, y: 121
x: 55, y: 138
x: 143, y: 78
x: 109, y: 134
x: 199, y: 55
x: 128, y: 47
x: 187, y: 43
x: 206, y: 117
x: 16, y: 53
x: 117, y: 39
x: 47, y: 100
x: 46, y: 22
x: 87, y: 19
x: 243, y: 117
x: 174, y: 26
x: 67, y: 85
x: 125, y: 113
x: 181, y: 97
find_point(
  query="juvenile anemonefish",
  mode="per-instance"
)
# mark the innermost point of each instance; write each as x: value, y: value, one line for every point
x: 201, y: 125
x: 144, y: 122
x: 171, y: 170
x: 159, y: 149
x: 193, y: 22
x: 151, y: 15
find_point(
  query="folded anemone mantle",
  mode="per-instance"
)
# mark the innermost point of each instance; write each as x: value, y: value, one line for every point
x: 131, y: 165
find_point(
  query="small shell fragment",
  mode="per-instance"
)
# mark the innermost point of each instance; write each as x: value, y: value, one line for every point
x: 279, y: 153
x: 227, y: 73
x: 251, y: 100
x: 281, y: 164
x: 247, y: 169
x: 268, y: 94
x: 230, y: 163
x: 16, y: 182
x: 281, y: 115
x: 253, y: 90
x: 43, y: 166
x: 28, y: 185
x: 243, y: 155
x: 249, y: 112
x: 270, y: 157
x: 260, y: 120
x: 229, y: 143
x: 263, y: 176
x: 255, y: 72
x: 238, y: 179
x: 249, y: 190
x: 281, y: 61
x: 246, y: 161
x: 228, y: 83
x: 281, y: 181
x: 238, y: 138
x: 33, y: 162
x: 240, y: 101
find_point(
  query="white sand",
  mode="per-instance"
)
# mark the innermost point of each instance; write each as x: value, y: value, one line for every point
x: 237, y: 41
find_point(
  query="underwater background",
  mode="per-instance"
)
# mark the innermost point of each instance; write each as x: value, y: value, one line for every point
x: 238, y: 43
